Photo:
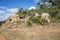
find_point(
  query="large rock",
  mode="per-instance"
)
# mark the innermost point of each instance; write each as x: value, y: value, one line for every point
x: 45, y: 16
x: 14, y: 18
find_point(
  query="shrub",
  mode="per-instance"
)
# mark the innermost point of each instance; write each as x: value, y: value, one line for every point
x: 36, y: 20
x: 29, y: 22
x: 57, y: 18
x: 54, y: 13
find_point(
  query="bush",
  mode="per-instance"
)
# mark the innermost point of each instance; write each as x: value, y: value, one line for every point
x: 29, y: 22
x: 57, y: 18
x: 54, y: 13
x: 36, y: 20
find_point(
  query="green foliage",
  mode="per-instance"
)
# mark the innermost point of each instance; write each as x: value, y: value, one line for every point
x: 57, y: 2
x: 2, y: 22
x: 28, y: 12
x: 41, y: 8
x: 22, y: 12
x: 36, y: 20
x: 29, y: 22
x: 54, y: 13
x: 44, y: 21
x: 57, y: 17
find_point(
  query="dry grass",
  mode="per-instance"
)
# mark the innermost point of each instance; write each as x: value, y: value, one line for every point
x: 35, y: 32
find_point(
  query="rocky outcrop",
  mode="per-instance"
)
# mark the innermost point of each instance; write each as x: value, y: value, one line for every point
x: 46, y: 16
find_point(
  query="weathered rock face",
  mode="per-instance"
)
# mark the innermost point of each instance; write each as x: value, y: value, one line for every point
x: 14, y: 18
x: 45, y: 16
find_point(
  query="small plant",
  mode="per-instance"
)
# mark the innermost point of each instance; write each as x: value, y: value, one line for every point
x: 36, y: 20
x: 29, y: 22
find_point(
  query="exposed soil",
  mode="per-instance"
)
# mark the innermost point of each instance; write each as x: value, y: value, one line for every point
x: 12, y: 31
x: 2, y: 37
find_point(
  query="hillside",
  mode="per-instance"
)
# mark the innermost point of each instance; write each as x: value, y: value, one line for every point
x: 21, y: 31
x: 41, y: 23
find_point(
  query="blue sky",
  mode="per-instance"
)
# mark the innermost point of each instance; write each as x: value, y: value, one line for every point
x: 9, y: 7
x: 21, y: 3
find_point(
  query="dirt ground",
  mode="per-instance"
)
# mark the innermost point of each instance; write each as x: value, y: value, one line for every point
x: 34, y: 32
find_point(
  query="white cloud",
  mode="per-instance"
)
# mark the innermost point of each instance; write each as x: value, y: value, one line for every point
x: 36, y: 1
x: 32, y: 7
x: 4, y: 14
x: 12, y: 10
x: 2, y: 7
x: 2, y: 11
